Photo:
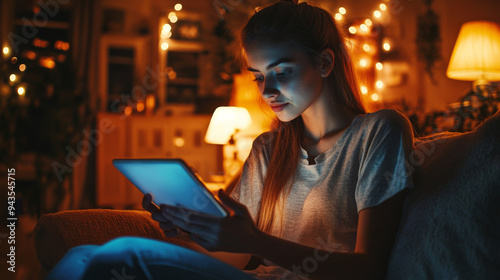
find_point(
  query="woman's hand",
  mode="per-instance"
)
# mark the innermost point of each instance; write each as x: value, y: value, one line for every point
x: 234, y: 233
x: 169, y: 229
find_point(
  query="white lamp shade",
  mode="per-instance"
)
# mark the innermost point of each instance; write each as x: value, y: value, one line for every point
x: 476, y: 55
x: 224, y: 123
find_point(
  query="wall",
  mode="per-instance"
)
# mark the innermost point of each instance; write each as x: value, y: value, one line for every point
x: 402, y: 29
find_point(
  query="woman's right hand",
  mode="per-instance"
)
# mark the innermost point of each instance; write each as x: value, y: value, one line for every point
x: 169, y: 229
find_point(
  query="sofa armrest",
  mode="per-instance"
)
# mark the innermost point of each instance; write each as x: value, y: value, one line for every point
x: 56, y: 233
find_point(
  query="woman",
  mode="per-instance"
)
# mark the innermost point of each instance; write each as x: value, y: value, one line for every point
x: 320, y: 195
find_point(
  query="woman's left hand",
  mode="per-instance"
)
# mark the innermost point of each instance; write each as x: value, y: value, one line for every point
x: 234, y: 233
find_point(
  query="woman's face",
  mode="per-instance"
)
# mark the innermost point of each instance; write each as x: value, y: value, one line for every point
x: 288, y: 80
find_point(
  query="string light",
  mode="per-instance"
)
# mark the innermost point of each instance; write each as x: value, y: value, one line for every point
x: 12, y: 77
x: 383, y: 7
x: 379, y: 66
x: 366, y: 47
x: 172, y: 17
x: 352, y: 30
x: 6, y: 50
x: 377, y: 13
x: 164, y: 45
x: 21, y: 90
x: 368, y: 22
x: 363, y: 27
x: 363, y: 63
x: 178, y: 7
x: 166, y: 27
x: 364, y: 90
x: 387, y: 46
x: 338, y: 16
x: 379, y: 84
x: 342, y: 10
x: 22, y: 67
x: 374, y: 97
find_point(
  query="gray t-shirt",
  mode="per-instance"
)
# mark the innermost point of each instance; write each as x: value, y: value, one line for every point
x: 365, y: 167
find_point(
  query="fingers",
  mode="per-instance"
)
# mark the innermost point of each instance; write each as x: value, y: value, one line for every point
x: 148, y: 205
x: 229, y: 202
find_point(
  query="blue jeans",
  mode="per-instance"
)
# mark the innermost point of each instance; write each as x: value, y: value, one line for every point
x: 136, y: 258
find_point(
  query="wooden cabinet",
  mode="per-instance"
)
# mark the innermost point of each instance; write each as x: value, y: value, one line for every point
x: 139, y: 136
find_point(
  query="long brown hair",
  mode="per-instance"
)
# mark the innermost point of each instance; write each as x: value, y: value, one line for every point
x: 313, y: 30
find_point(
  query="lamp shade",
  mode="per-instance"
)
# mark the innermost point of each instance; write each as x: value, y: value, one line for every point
x: 476, y: 55
x: 224, y: 123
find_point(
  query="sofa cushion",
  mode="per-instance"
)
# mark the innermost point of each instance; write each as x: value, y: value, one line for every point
x: 56, y: 233
x: 450, y: 228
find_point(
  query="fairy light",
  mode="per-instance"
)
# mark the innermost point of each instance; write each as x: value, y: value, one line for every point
x: 366, y: 47
x: 363, y: 63
x: 12, y: 77
x: 179, y: 142
x: 172, y: 17
x: 387, y: 46
x: 377, y: 14
x: 379, y: 84
x: 21, y: 91
x: 166, y: 27
x: 374, y: 97
x: 338, y: 16
x: 368, y: 22
x: 128, y: 110
x: 379, y: 66
x: 352, y: 30
x: 22, y: 67
x: 363, y: 27
x: 383, y: 7
x: 164, y: 46
x: 364, y: 90
x: 178, y: 7
x: 342, y: 10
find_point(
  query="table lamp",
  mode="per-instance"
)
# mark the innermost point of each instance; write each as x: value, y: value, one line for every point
x: 476, y: 58
x: 476, y: 55
x: 226, y: 123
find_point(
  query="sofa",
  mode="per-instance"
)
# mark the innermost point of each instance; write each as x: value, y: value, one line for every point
x: 450, y: 226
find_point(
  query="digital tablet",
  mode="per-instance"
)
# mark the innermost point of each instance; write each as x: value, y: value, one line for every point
x: 171, y: 182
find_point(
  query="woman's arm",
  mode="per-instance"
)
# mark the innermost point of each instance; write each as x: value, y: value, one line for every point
x: 376, y: 232
x: 377, y: 228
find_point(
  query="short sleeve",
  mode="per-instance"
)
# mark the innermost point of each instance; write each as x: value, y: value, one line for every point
x: 248, y: 190
x: 383, y: 168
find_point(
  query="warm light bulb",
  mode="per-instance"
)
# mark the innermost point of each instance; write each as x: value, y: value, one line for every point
x: 383, y: 7
x: 165, y: 34
x: 379, y: 66
x: 172, y: 17
x: 363, y: 27
x: 387, y: 46
x: 164, y: 45
x: 166, y: 27
x: 363, y: 62
x: 377, y: 14
x: 128, y: 110
x: 6, y: 50
x: 352, y: 30
x: 22, y: 67
x: 338, y: 16
x: 12, y: 77
x: 374, y: 97
x: 368, y: 22
x: 179, y: 141
x: 379, y: 84
x: 21, y: 90
x: 342, y: 10
x: 364, y: 90
x: 366, y: 47
x: 140, y: 106
x: 178, y: 7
